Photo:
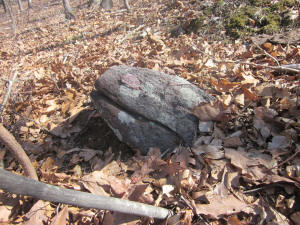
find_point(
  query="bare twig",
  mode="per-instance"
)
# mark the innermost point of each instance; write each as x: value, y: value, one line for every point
x: 131, y: 33
x: 57, y: 212
x: 259, y: 65
x: 253, y: 190
x: 193, y: 209
x: 284, y: 68
x: 272, y: 57
x: 285, y: 161
x: 11, y: 143
x: 7, y: 94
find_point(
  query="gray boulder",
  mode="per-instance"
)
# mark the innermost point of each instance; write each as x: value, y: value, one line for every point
x: 146, y: 108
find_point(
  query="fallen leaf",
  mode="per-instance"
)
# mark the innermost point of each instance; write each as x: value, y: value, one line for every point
x: 100, y: 183
x: 296, y: 217
x: 48, y: 165
x: 249, y: 95
x: 184, y: 157
x: 210, y: 63
x: 219, y: 206
x: 167, y: 188
x: 208, y: 111
x: 278, y: 142
x: 209, y: 151
x: 5, y: 212
x: 37, y: 214
x: 233, y: 142
x: 87, y: 154
x: 240, y: 99
x: 62, y: 217
x: 254, y: 166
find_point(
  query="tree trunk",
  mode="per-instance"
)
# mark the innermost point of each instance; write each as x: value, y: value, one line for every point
x: 94, y: 2
x: 4, y: 5
x: 127, y: 5
x: 68, y: 10
x: 13, y: 21
x: 29, y: 4
x: 106, y: 4
x: 20, y: 5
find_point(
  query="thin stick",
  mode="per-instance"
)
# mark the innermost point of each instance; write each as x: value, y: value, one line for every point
x: 285, y: 161
x: 272, y: 57
x: 253, y: 190
x: 7, y: 94
x: 259, y: 65
x: 11, y: 143
x: 193, y: 210
x: 250, y: 64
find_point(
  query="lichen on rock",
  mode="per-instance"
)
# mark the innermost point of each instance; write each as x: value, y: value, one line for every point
x: 148, y: 108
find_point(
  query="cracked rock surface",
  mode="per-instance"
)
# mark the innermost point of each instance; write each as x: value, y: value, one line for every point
x: 146, y: 108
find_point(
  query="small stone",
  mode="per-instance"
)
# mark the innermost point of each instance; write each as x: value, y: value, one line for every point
x: 236, y: 134
x: 233, y: 142
x: 278, y: 142
x: 206, y: 126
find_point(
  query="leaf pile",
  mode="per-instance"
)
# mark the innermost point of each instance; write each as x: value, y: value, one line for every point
x: 243, y: 168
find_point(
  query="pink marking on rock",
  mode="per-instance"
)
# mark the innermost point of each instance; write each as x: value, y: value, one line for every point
x: 131, y: 81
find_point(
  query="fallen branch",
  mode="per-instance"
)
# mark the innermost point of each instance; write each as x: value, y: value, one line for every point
x: 11, y: 143
x: 131, y: 33
x: 18, y: 152
x: 283, y: 67
x: 292, y: 67
x: 25, y: 186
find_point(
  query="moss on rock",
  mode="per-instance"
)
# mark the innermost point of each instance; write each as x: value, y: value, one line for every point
x: 259, y: 16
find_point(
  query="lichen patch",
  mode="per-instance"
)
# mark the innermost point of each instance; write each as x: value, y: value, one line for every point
x: 125, y: 118
x: 190, y: 96
x: 128, y: 92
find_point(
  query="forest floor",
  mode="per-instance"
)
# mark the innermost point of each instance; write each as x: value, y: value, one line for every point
x: 243, y: 169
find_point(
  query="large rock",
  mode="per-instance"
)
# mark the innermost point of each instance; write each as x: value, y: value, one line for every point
x: 146, y: 108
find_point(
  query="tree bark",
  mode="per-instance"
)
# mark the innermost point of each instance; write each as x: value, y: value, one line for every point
x: 106, y: 4
x: 29, y: 4
x: 4, y: 5
x: 13, y: 21
x: 20, y: 5
x: 127, y: 5
x: 68, y: 10
x: 94, y: 2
